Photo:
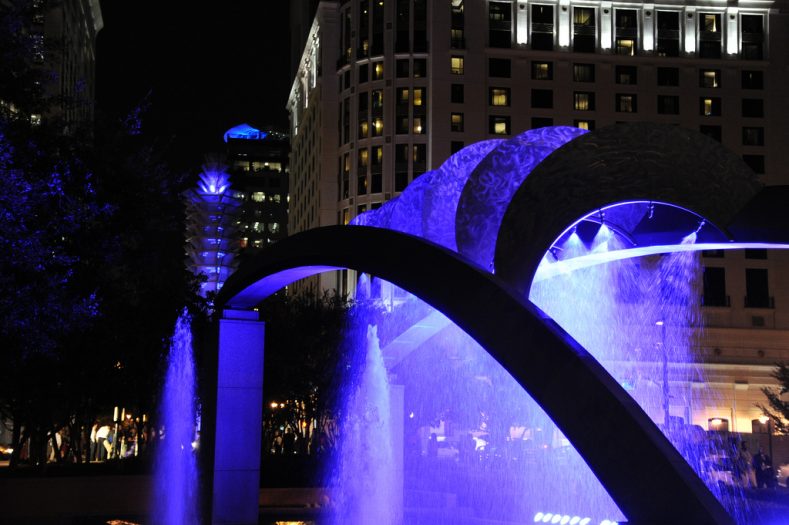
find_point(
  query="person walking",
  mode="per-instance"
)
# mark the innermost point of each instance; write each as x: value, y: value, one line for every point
x: 102, y: 434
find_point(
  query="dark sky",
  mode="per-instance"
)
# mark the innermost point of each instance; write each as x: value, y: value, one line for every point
x: 208, y: 66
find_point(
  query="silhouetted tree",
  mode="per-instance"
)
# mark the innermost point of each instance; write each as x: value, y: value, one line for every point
x: 92, y: 273
x: 777, y: 409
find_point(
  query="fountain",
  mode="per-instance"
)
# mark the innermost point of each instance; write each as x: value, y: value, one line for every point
x: 175, y: 492
x: 363, y: 478
x: 478, y: 448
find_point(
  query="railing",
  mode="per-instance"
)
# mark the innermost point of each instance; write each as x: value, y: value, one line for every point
x: 710, y: 36
x: 722, y: 301
x: 626, y: 32
x: 759, y: 302
x: 584, y: 30
x: 542, y: 28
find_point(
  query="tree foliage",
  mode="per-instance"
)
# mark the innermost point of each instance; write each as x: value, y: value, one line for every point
x: 777, y: 409
x: 303, y: 349
x: 92, y: 273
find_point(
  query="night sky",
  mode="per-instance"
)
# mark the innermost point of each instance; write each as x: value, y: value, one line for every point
x: 207, y: 65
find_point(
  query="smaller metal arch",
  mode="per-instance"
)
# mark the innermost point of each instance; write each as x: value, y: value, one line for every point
x: 625, y: 162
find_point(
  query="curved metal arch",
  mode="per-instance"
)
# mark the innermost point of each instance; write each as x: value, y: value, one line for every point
x: 569, y: 384
x: 624, y: 162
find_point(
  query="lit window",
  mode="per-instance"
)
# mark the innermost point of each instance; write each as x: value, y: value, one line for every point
x: 542, y: 70
x: 457, y: 122
x: 710, y: 78
x: 710, y: 106
x: 709, y: 22
x: 364, y: 129
x: 364, y: 156
x: 257, y: 227
x: 419, y: 127
x: 378, y: 71
x: 456, y: 65
x: 418, y: 96
x: 277, y: 198
x: 499, y: 96
x: 259, y: 196
x: 583, y: 101
x: 273, y: 227
x: 35, y: 119
x: 626, y: 103
x: 257, y: 243
x: 588, y: 125
x: 626, y: 46
x: 378, y: 127
x: 499, y: 125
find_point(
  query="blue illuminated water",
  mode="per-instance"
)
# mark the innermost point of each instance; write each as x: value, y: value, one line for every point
x: 638, y: 317
x: 363, y: 474
x: 175, y: 494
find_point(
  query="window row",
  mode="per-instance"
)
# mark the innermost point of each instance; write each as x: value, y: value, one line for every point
x: 667, y: 33
x: 666, y: 76
x: 369, y: 168
x: 757, y: 292
x: 623, y: 102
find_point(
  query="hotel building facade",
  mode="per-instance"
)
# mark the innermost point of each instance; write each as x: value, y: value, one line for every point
x: 388, y: 89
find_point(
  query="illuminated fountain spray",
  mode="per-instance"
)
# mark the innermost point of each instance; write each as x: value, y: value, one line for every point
x: 364, y: 487
x: 175, y: 493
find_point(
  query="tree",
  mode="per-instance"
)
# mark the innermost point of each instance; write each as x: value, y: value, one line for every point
x: 92, y: 273
x: 778, y: 409
x: 303, y: 349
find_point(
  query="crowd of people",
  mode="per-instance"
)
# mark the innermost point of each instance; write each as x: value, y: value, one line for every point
x: 105, y: 439
x: 753, y: 470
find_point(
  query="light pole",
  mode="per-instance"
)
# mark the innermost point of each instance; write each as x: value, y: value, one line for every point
x: 666, y: 393
x: 765, y: 420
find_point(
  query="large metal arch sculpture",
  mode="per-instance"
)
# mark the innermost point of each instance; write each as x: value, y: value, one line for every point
x: 569, y: 384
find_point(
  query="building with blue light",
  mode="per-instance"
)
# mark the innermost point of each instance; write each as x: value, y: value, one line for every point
x: 386, y: 91
x: 258, y: 166
x: 239, y: 205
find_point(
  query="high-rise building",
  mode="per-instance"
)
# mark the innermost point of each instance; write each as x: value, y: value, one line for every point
x: 63, y: 44
x: 388, y: 89
x: 240, y: 204
x: 258, y: 166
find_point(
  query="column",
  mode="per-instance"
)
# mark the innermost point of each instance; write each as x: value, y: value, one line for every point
x: 239, y: 402
x: 690, y: 29
x: 606, y: 25
x: 648, y: 27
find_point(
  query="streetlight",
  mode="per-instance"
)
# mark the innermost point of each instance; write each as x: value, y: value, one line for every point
x: 764, y: 420
x: 666, y: 393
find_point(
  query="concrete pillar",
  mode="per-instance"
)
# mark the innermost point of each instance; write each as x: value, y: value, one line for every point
x: 239, y: 402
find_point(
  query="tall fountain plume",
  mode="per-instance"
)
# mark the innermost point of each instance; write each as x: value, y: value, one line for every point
x: 363, y: 485
x: 175, y: 495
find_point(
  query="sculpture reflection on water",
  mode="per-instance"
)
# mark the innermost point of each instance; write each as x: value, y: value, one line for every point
x: 478, y: 449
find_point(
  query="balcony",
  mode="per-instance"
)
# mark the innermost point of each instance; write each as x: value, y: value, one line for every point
x: 716, y: 300
x: 759, y: 302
